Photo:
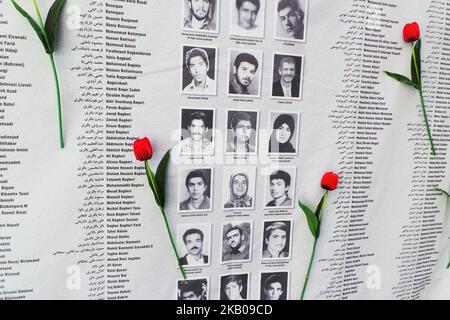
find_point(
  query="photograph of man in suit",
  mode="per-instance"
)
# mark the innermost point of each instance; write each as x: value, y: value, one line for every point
x: 288, y: 85
x: 193, y: 241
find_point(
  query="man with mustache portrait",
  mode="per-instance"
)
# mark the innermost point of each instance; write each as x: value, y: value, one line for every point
x: 288, y: 85
x: 193, y: 241
x: 197, y: 142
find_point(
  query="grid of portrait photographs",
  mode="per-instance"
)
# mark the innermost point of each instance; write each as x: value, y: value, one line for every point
x: 247, y: 18
x: 241, y: 133
x: 226, y: 213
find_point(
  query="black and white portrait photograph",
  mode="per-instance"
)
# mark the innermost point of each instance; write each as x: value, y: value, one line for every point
x: 236, y: 241
x: 193, y: 289
x: 195, y: 189
x: 242, y: 132
x: 199, y: 72
x: 247, y: 18
x: 277, y: 240
x: 197, y: 132
x: 284, y: 138
x: 234, y: 287
x: 280, y: 188
x: 287, y: 76
x: 194, y: 243
x: 201, y: 15
x: 274, y: 286
x: 239, y: 184
x: 245, y: 69
x: 290, y: 20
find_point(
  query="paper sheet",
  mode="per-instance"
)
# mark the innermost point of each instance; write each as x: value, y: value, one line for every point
x: 81, y: 223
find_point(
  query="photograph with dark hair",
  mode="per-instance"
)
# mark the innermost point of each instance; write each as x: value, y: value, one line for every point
x: 290, y: 20
x: 194, y: 244
x: 199, y: 71
x: 196, y: 188
x: 236, y: 241
x: 234, y: 287
x: 244, y: 76
x: 239, y: 188
x: 281, y: 188
x: 201, y: 15
x: 242, y: 137
x: 285, y: 132
x: 197, y: 129
x: 193, y: 289
x: 287, y: 76
x: 274, y: 286
x: 276, y: 243
x: 247, y: 18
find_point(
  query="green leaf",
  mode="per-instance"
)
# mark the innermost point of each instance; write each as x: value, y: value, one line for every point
x: 417, y: 79
x: 444, y: 192
x: 152, y: 183
x: 161, y: 173
x: 318, y: 211
x: 313, y: 221
x: 51, y: 23
x: 40, y: 33
x: 402, y: 79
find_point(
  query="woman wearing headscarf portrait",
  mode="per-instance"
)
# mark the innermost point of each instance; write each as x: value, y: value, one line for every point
x: 283, y: 131
x: 239, y: 198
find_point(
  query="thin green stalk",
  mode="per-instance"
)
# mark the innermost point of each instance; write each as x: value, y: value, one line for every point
x: 58, y: 93
x: 313, y: 254
x: 154, y: 186
x: 448, y: 266
x: 430, y: 138
x: 55, y: 75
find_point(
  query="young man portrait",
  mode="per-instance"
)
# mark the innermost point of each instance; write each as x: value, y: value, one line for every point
x: 198, y: 189
x: 244, y: 72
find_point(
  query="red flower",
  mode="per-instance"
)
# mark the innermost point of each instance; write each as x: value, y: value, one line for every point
x: 411, y: 32
x: 330, y: 181
x: 143, y: 149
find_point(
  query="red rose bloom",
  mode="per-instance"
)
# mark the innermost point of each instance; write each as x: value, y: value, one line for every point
x: 143, y: 149
x: 330, y: 181
x: 411, y: 32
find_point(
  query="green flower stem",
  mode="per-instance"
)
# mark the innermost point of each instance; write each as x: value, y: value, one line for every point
x: 58, y: 93
x: 153, y: 185
x: 430, y: 138
x: 448, y: 266
x: 313, y: 255
x: 55, y: 75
